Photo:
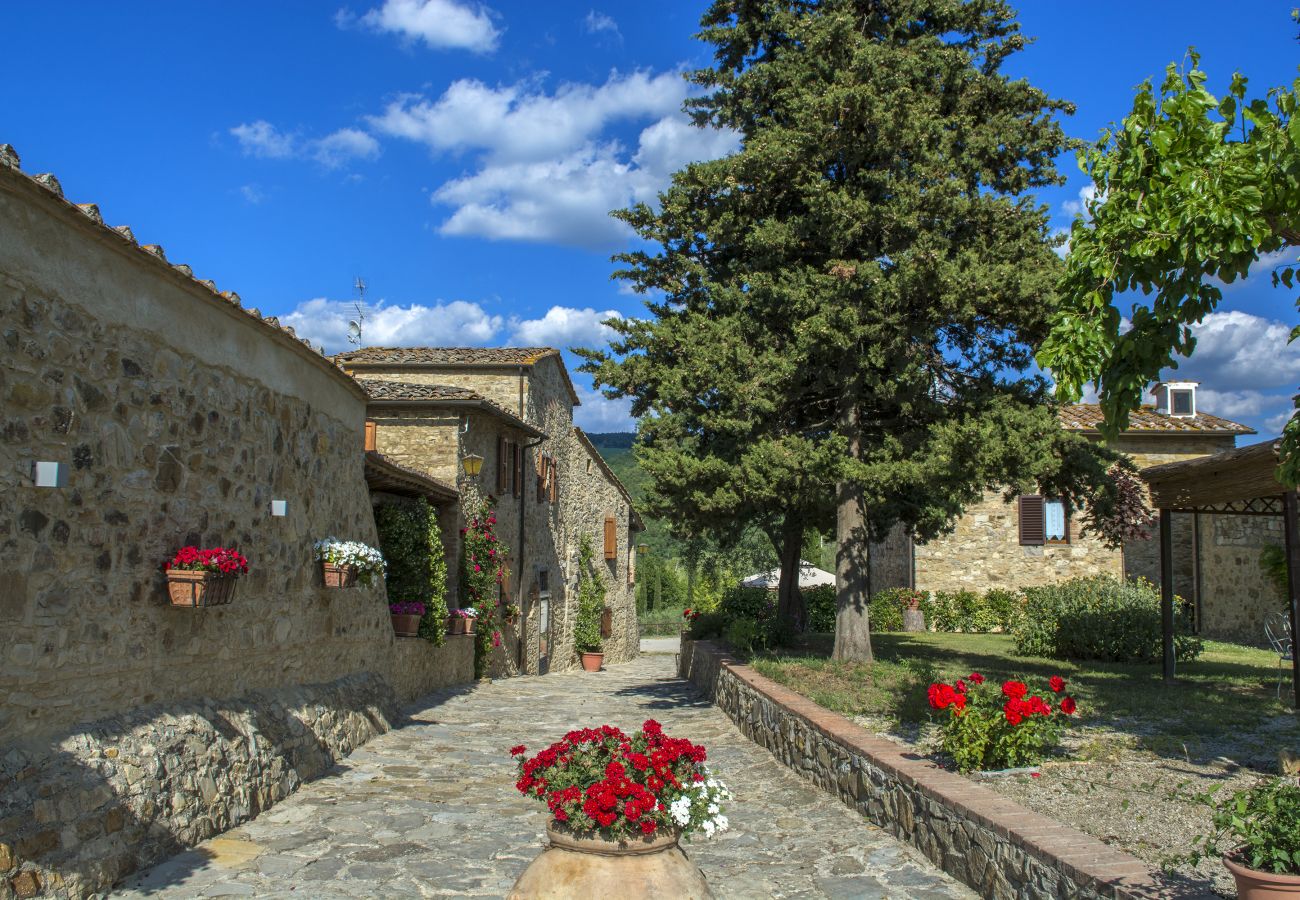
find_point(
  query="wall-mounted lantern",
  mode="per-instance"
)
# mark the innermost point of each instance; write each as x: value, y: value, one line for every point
x: 643, y: 549
x: 472, y: 463
x: 279, y: 508
x: 49, y: 474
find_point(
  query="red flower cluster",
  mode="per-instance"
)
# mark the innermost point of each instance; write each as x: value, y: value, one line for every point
x: 1019, y: 705
x: 600, y: 778
x: 943, y: 696
x: 690, y: 615
x: 225, y: 560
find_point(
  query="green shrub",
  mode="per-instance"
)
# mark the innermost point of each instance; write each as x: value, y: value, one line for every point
x: 745, y: 636
x: 411, y: 542
x: 1005, y: 607
x: 972, y: 613
x: 885, y: 609
x: 661, y: 621
x: 1100, y: 618
x: 707, y: 626
x: 821, y: 607
x: 591, y: 602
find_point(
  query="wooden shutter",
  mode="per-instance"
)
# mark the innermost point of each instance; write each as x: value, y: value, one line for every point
x: 372, y: 437
x: 503, y: 464
x: 611, y: 538
x: 1033, y: 521
x: 555, y: 481
x: 607, y: 622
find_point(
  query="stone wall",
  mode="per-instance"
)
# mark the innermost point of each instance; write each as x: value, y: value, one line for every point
x: 1236, y: 596
x: 179, y: 417
x: 1001, y: 849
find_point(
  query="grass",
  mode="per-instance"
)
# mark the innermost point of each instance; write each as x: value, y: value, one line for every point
x: 1226, y: 696
x: 664, y: 621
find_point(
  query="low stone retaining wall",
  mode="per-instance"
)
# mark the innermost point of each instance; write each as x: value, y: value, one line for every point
x: 80, y: 812
x: 999, y: 848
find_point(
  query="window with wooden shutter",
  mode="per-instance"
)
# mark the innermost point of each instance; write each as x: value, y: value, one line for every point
x: 1032, y: 521
x: 555, y: 481
x: 611, y: 538
x: 503, y: 464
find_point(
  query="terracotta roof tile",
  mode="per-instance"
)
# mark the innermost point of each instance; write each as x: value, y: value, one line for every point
x: 1088, y: 417
x: 449, y: 356
x: 385, y: 391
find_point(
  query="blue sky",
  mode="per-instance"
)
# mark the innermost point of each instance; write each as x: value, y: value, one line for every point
x: 461, y: 157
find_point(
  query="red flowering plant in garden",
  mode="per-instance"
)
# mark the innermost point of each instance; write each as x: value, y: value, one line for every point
x: 601, y: 780
x: 483, y: 570
x: 992, y: 726
x: 690, y: 615
x: 221, y: 560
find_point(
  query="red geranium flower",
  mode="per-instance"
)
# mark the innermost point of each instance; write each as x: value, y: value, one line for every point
x: 1014, y: 689
x: 1056, y: 683
x: 976, y: 678
x: 1068, y: 706
x: 518, y: 751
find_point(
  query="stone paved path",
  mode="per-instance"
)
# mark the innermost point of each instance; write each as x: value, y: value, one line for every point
x: 430, y: 809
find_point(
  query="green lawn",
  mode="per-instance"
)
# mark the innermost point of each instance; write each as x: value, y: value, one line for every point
x: 1227, y: 696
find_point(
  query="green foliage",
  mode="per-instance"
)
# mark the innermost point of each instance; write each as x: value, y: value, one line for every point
x: 661, y: 621
x: 1272, y: 560
x: 1262, y: 822
x: 854, y: 297
x: 821, y: 608
x: 1100, y: 618
x: 886, y: 608
x: 411, y: 542
x: 591, y: 601
x: 483, y: 561
x: 708, y: 626
x: 984, y: 735
x: 971, y: 612
x: 661, y: 583
x: 1191, y: 190
x: 745, y: 636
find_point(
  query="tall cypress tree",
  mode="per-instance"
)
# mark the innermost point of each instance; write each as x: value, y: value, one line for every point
x: 855, y: 294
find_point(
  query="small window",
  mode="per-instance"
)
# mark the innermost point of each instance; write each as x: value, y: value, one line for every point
x: 1056, y: 524
x: 1043, y: 520
x: 1181, y: 403
x: 544, y: 583
x: 588, y: 465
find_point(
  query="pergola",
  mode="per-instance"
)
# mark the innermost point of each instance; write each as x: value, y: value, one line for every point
x: 1241, y: 482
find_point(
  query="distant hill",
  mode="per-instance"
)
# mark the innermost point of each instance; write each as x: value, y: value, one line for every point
x: 613, y: 440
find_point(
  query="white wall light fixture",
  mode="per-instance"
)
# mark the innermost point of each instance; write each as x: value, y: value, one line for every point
x: 49, y: 474
x: 279, y: 508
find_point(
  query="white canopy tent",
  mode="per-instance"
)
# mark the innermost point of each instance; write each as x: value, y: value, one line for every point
x: 809, y: 576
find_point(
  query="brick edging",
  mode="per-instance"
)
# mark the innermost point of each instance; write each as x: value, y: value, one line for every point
x: 1021, y: 853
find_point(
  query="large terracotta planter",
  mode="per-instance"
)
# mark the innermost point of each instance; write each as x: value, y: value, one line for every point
x: 573, y: 866
x: 1256, y: 885
x: 406, y: 624
x: 455, y: 625
x: 339, y: 576
x: 591, y: 662
x: 469, y: 625
x: 190, y: 589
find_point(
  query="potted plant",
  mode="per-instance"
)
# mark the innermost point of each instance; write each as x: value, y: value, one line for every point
x: 406, y: 617
x: 587, y: 640
x: 462, y: 620
x: 345, y: 563
x: 1260, y: 826
x: 511, y: 614
x: 204, y: 577
x: 621, y: 803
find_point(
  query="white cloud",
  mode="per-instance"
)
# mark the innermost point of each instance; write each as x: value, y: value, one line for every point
x: 262, y: 139
x: 1261, y: 270
x: 1274, y: 424
x: 600, y: 23
x: 343, y: 146
x: 598, y: 413
x: 1079, y: 207
x: 1233, y: 404
x: 564, y: 327
x: 440, y: 24
x: 454, y: 323
x: 252, y: 194
x: 1238, y: 351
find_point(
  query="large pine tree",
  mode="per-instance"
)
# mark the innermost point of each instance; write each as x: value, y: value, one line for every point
x: 851, y: 301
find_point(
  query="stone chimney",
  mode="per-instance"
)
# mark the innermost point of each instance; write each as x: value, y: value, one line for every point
x: 1176, y: 399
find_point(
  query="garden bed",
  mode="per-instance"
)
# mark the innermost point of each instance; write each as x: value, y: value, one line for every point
x: 1137, y: 743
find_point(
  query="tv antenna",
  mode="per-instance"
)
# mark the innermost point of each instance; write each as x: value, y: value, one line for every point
x: 354, y: 326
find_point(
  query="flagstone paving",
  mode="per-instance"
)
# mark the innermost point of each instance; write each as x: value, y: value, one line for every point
x: 430, y: 808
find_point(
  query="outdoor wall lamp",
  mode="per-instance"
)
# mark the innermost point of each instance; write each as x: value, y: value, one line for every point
x: 279, y: 508
x: 49, y: 474
x: 472, y: 463
x: 643, y: 549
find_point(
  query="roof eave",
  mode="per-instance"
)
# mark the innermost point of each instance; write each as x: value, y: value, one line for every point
x: 480, y: 405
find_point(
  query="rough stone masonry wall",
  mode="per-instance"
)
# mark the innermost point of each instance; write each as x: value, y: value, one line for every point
x: 996, y: 846
x: 180, y: 417
x: 1236, y: 595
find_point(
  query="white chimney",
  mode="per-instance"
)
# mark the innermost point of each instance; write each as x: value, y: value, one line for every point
x: 1176, y: 399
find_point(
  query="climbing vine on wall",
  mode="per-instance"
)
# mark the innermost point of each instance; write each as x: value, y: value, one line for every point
x: 483, y: 570
x: 591, y: 601
x: 411, y: 542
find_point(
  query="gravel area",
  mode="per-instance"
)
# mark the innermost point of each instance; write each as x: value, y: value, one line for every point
x: 1109, y: 784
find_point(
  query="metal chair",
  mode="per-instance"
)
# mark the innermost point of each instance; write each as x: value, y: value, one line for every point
x: 1277, y: 628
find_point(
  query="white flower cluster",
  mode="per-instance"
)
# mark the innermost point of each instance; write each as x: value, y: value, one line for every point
x: 368, y: 561
x: 699, y: 808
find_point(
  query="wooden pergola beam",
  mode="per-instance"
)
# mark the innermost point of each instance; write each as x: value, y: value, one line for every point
x: 1291, y: 519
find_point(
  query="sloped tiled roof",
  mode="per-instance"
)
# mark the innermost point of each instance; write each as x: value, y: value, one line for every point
x: 448, y: 356
x: 469, y: 357
x: 385, y: 474
x: 384, y: 391
x: 637, y: 523
x: 10, y: 162
x: 1088, y: 417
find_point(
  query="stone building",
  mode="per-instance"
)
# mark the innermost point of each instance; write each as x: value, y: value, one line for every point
x: 513, y: 408
x: 171, y: 415
x: 1031, y: 540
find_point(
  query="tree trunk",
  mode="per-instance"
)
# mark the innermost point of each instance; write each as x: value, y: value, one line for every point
x: 852, y: 554
x: 791, y: 611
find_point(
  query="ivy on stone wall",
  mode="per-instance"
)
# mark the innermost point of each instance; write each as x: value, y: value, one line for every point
x: 411, y: 541
x: 591, y: 601
x: 483, y: 569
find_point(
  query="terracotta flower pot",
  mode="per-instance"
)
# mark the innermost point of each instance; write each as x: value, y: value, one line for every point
x: 339, y: 576
x: 591, y: 662
x: 191, y: 589
x: 406, y: 624
x: 469, y: 624
x: 1255, y: 885
x: 573, y: 866
x: 455, y: 625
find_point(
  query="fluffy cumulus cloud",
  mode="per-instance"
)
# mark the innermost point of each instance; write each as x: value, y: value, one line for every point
x: 564, y: 327
x: 546, y: 167
x: 263, y: 140
x: 439, y: 24
x: 453, y: 323
x: 1238, y: 351
x: 598, y: 413
x: 1079, y: 207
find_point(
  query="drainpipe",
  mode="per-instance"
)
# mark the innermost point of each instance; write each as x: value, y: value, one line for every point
x: 523, y: 499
